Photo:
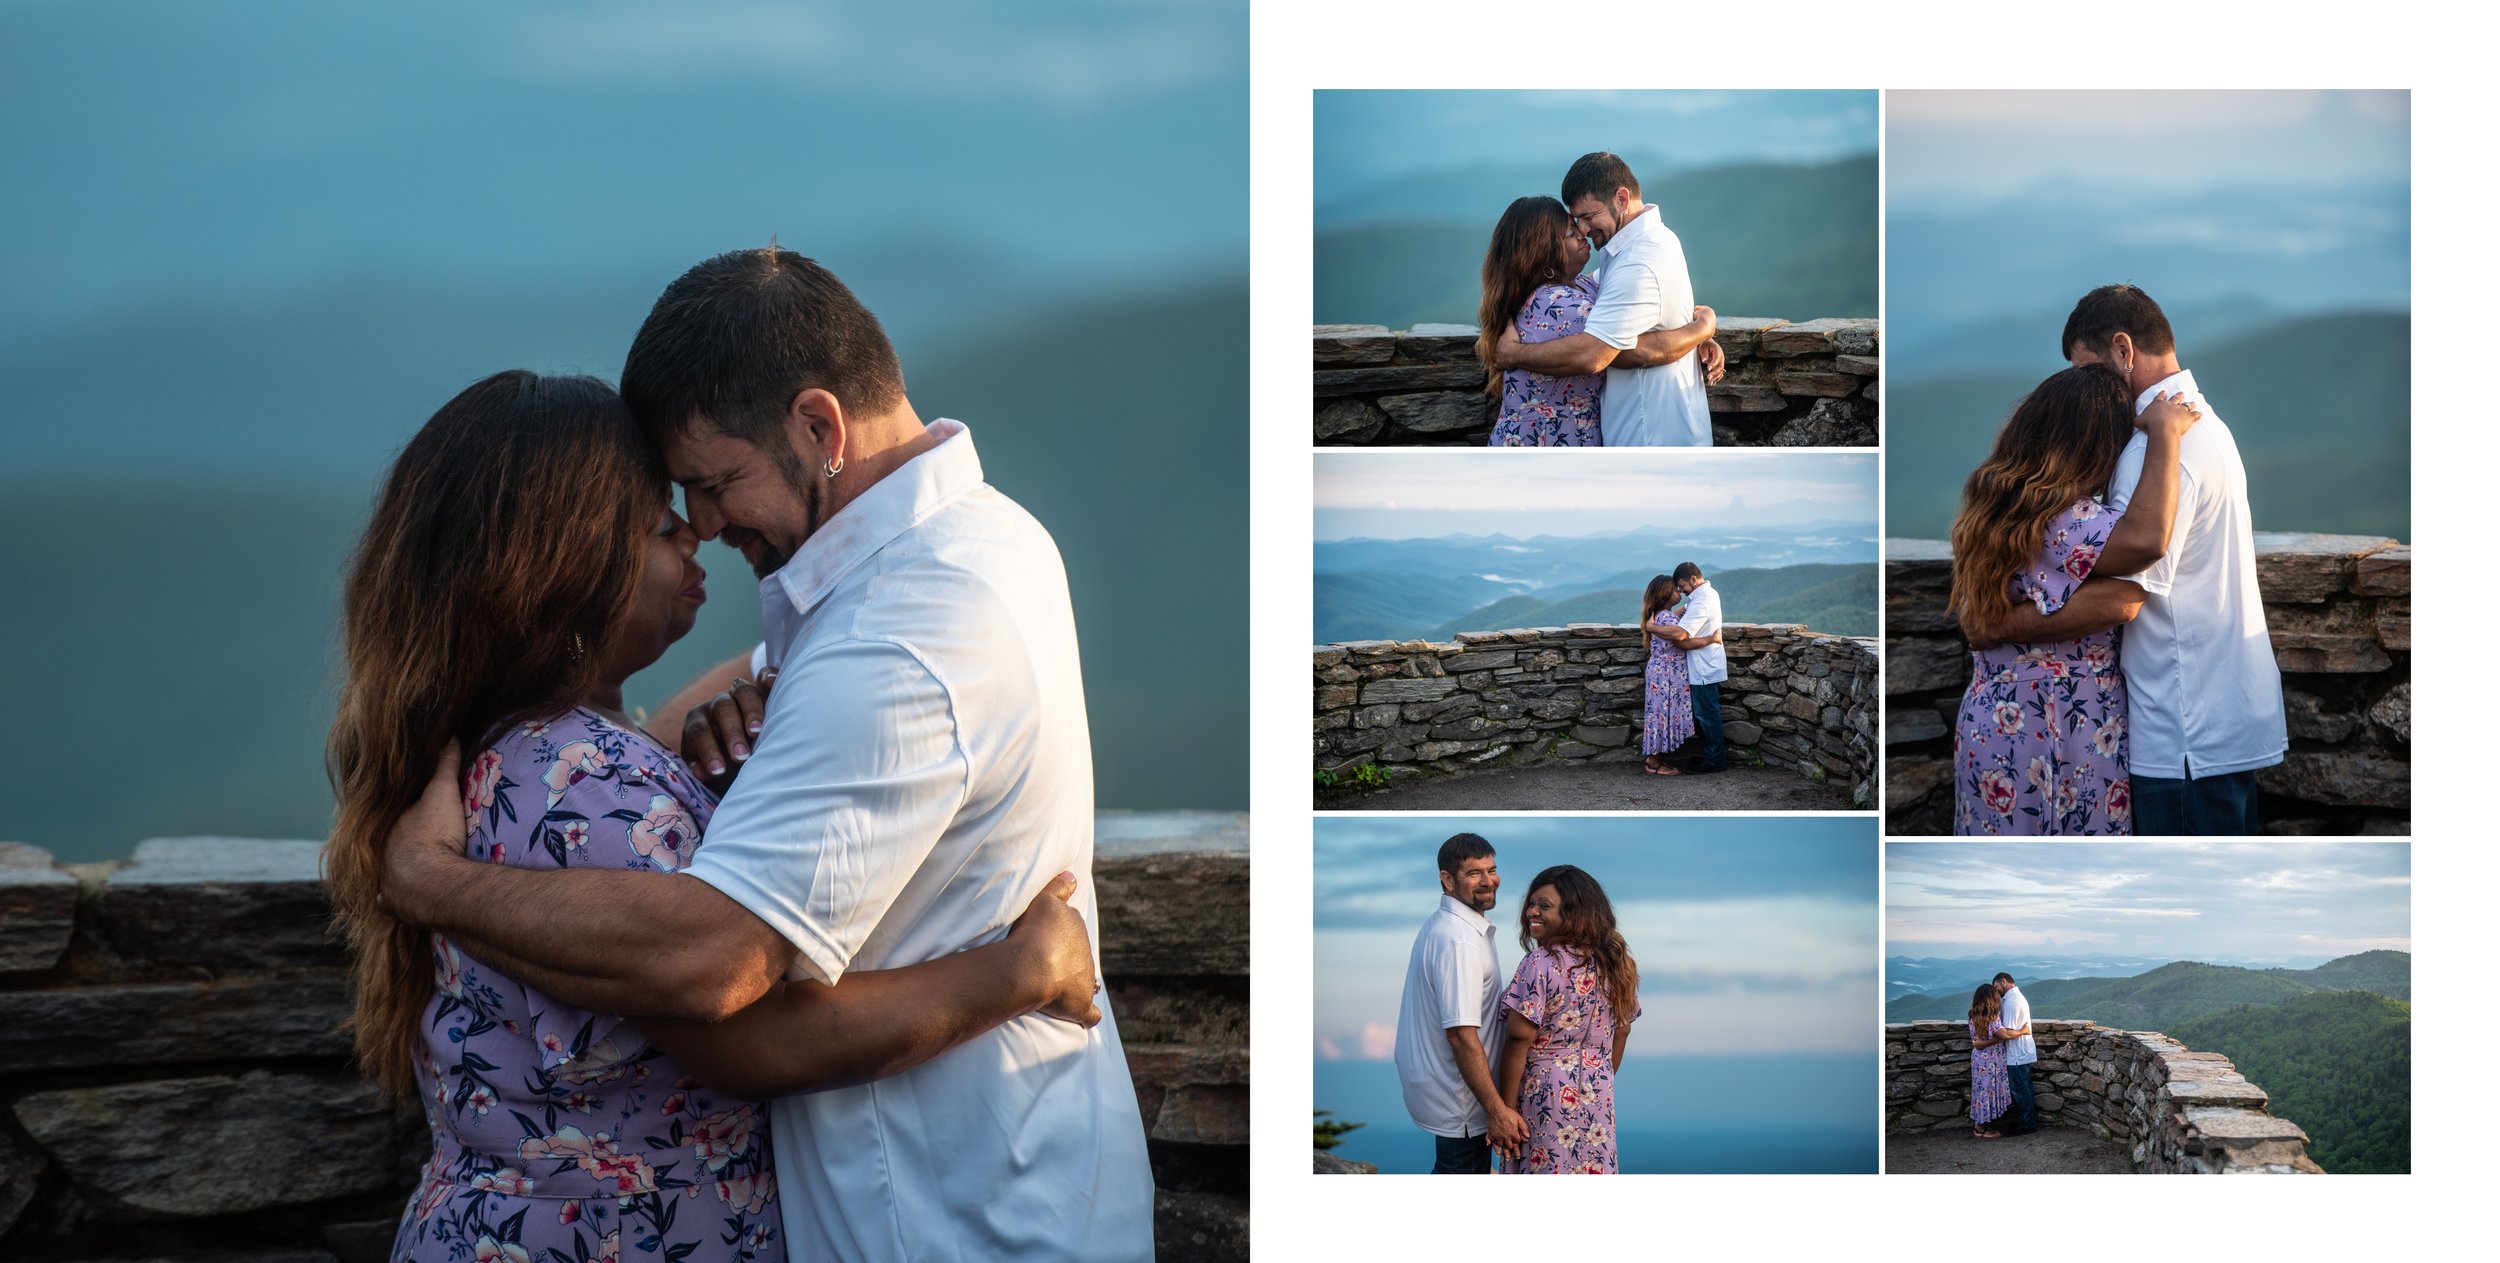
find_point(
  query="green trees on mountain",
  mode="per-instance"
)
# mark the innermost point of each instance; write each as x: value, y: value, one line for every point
x: 2339, y: 1063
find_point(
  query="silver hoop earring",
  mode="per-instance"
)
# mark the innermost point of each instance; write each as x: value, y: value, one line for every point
x: 833, y: 465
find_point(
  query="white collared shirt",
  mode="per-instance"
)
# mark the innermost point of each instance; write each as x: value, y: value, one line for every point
x: 2204, y: 697
x: 2014, y: 1012
x: 1453, y: 978
x: 923, y: 771
x: 1707, y: 665
x: 1643, y: 285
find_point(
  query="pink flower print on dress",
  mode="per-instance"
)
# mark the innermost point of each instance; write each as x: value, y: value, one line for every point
x: 578, y: 761
x: 1996, y: 791
x: 666, y: 833
x: 506, y: 1181
x: 747, y: 1194
x: 2119, y: 802
x: 721, y: 1138
x: 2079, y: 562
x: 490, y: 1250
x: 446, y: 967
x: 2009, y: 718
x: 477, y: 791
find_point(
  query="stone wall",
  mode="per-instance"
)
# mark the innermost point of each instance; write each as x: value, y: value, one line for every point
x: 2177, y: 1111
x: 2339, y: 609
x: 1810, y: 384
x: 1793, y: 698
x: 173, y: 1084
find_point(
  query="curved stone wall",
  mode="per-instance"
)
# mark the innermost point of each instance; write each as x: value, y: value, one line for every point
x: 2339, y: 609
x: 1809, y: 384
x: 2177, y: 1111
x: 1793, y: 698
x: 172, y: 1077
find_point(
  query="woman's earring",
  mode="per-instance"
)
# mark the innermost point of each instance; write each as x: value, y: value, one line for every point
x: 833, y: 465
x: 573, y: 650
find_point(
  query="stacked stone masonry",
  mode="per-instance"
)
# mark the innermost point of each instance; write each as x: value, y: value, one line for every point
x: 174, y: 1085
x: 2339, y: 610
x: 2176, y: 1111
x: 1793, y: 698
x: 1808, y: 384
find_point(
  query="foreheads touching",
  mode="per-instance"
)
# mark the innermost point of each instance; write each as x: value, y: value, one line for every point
x: 2002, y: 983
x: 2122, y: 328
x: 1687, y: 578
x: 1601, y: 194
x: 1468, y: 873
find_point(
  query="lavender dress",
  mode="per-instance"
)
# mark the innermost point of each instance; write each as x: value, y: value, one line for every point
x: 1991, y: 1088
x: 2040, y: 745
x: 559, y: 1135
x: 1567, y: 1093
x: 1667, y: 702
x: 1542, y: 411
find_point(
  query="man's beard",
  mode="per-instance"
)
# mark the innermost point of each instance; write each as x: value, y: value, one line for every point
x: 1483, y: 902
x: 769, y: 556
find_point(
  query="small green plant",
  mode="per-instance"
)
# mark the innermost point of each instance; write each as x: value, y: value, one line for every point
x: 1370, y: 776
x: 1324, y: 782
x: 1327, y: 1132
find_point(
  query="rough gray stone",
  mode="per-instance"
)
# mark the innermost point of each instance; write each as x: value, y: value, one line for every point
x: 218, y: 1144
x: 2394, y: 712
x: 145, y: 1024
x: 38, y: 908
x: 1441, y: 412
x: 1347, y: 421
x: 1370, y: 344
x: 1396, y: 377
x: 220, y: 904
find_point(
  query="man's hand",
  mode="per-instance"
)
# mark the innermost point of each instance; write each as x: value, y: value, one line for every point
x: 432, y: 832
x: 720, y: 734
x: 1506, y: 351
x: 1507, y: 1130
x: 1713, y: 362
x: 1050, y: 938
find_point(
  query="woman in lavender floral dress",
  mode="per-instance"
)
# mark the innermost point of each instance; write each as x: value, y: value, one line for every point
x: 2040, y: 740
x: 523, y: 561
x: 1667, y: 692
x: 1533, y: 283
x: 1569, y: 1009
x: 1991, y: 1086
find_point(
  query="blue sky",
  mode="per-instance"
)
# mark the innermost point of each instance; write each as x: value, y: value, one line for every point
x: 2177, y: 900
x: 1753, y: 935
x: 1524, y: 492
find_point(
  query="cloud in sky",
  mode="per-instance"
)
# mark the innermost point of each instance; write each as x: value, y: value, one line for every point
x: 2183, y: 900
x: 1752, y: 935
x: 1562, y: 492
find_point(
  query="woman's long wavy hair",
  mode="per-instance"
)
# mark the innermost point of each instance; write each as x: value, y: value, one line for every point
x: 1985, y: 1004
x: 1587, y: 927
x: 1657, y: 596
x: 1527, y: 252
x: 2061, y: 444
x: 505, y: 547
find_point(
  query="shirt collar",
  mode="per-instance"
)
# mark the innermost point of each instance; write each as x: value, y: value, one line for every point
x: 897, y: 502
x: 2182, y: 381
x: 1475, y: 920
x: 1631, y: 231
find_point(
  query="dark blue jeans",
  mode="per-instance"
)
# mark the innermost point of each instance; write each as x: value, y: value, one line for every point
x: 2207, y: 806
x: 2026, y: 1115
x: 1706, y: 722
x: 1467, y: 1155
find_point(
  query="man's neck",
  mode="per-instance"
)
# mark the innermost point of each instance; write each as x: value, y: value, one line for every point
x: 2152, y: 372
x: 884, y: 444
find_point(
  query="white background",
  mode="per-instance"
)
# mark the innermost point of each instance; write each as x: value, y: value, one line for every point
x: 2443, y: 59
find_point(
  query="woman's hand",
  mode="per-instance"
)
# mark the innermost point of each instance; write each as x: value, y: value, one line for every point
x: 2169, y: 415
x: 719, y: 734
x: 1050, y: 942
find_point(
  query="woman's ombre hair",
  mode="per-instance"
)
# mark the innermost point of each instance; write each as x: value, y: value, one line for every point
x: 1586, y: 925
x: 2060, y: 445
x: 1527, y: 252
x: 506, y: 544
x: 1657, y: 596
x: 1985, y: 1004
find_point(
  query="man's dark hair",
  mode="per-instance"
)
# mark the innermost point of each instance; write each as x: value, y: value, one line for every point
x: 1461, y: 848
x: 736, y: 338
x: 2114, y: 309
x: 2002, y: 978
x: 1597, y: 175
x: 1687, y: 571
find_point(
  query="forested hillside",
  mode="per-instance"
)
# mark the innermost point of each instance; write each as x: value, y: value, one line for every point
x: 2339, y: 1063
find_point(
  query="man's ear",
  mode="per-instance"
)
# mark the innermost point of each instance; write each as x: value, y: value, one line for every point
x: 819, y: 425
x: 1447, y: 887
x: 2121, y: 348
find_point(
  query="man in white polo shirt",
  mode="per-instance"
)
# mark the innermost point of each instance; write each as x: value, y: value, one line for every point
x: 1705, y: 668
x: 1450, y: 1019
x: 2021, y: 1054
x: 2204, y: 696
x: 924, y: 768
x: 1651, y: 400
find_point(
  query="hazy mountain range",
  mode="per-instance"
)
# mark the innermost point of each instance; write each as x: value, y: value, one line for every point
x: 1820, y: 573
x: 2174, y: 992
x: 1761, y: 239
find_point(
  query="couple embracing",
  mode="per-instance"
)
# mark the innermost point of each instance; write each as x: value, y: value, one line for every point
x: 1686, y: 666
x: 2105, y: 573
x: 1618, y: 358
x: 1527, y: 1070
x: 808, y: 974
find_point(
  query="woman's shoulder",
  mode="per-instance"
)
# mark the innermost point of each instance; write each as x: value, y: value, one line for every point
x: 563, y: 771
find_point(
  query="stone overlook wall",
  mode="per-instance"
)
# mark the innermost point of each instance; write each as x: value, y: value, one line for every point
x: 1793, y: 698
x: 172, y: 1084
x: 2339, y: 609
x: 2179, y: 1112
x: 1811, y: 384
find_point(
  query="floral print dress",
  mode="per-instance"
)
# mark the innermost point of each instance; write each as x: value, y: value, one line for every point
x: 1667, y: 701
x: 1543, y: 411
x: 1567, y: 1093
x: 1991, y: 1086
x: 559, y: 1135
x: 2040, y: 743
